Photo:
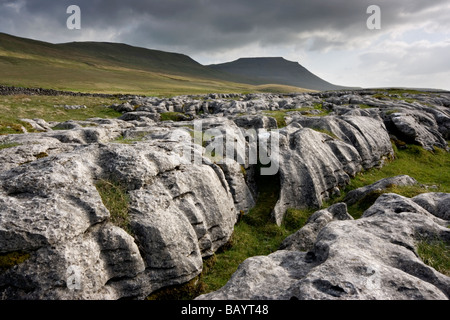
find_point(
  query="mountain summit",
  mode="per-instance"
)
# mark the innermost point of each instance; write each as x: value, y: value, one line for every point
x: 117, y: 67
x: 275, y: 70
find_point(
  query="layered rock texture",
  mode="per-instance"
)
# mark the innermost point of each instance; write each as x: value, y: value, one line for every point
x: 186, y: 181
x: 334, y: 257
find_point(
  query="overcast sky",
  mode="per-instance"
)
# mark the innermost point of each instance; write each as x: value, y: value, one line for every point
x: 330, y: 38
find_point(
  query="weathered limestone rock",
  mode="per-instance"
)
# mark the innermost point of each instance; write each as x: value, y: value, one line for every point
x: 234, y: 173
x: 304, y: 239
x: 39, y: 125
x: 51, y: 209
x: 368, y: 135
x: 256, y: 122
x: 138, y: 115
x: 420, y: 128
x: 314, y: 165
x: 358, y: 194
x: 437, y: 203
x: 370, y: 258
x: 179, y: 211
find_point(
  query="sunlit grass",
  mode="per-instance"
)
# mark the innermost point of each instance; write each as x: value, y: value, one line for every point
x: 16, y: 107
x: 430, y: 169
x: 436, y: 254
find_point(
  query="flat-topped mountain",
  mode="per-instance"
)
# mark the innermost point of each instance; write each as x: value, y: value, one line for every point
x: 120, y: 68
x: 275, y: 70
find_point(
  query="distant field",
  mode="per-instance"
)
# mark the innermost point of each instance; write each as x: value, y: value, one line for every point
x: 16, y: 107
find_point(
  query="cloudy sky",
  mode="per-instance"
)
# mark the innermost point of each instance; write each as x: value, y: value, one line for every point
x: 330, y: 38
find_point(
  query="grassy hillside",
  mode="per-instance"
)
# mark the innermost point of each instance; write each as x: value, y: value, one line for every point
x: 275, y: 70
x: 110, y: 68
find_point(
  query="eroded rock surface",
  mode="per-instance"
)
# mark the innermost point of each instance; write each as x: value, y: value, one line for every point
x: 188, y: 181
x: 374, y: 257
x: 51, y: 208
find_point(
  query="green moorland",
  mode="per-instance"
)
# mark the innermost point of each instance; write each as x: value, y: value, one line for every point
x: 16, y: 107
x: 114, y: 68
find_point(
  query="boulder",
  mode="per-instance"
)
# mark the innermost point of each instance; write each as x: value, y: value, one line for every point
x: 138, y: 115
x: 437, y: 203
x: 124, y: 107
x: 374, y: 257
x: 51, y: 211
x: 256, y: 122
x: 235, y: 176
x: 356, y: 195
x: 39, y: 125
x: 368, y: 135
x: 304, y: 239
x: 419, y: 128
x: 313, y: 165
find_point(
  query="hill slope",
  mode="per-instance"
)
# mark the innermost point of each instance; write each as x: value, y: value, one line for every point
x: 108, y: 68
x: 120, y: 68
x: 275, y: 70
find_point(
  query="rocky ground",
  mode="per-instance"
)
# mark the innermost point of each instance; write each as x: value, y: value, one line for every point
x: 183, y: 199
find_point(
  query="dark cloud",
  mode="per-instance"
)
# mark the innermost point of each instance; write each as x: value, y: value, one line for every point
x: 210, y: 28
x: 210, y: 24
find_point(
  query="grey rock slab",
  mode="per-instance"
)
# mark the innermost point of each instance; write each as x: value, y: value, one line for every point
x: 51, y: 209
x: 437, y: 203
x: 374, y: 257
x: 234, y: 174
x: 138, y: 115
x: 354, y: 196
x: 416, y: 127
x: 304, y: 239
x: 312, y: 165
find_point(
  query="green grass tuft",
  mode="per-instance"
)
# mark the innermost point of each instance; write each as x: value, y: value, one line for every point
x: 116, y: 199
x: 11, y: 259
x: 8, y: 145
x: 280, y: 115
x: 436, y: 254
x: 430, y: 169
x: 174, y: 116
x: 16, y: 107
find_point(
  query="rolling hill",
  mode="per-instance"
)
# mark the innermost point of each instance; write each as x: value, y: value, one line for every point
x: 121, y: 68
x: 275, y: 70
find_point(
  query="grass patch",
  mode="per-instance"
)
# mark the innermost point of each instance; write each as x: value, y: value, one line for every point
x: 124, y: 140
x: 187, y: 291
x: 365, y: 106
x: 116, y: 199
x: 12, y: 259
x: 428, y: 168
x: 436, y: 254
x: 296, y: 218
x: 10, y: 125
x: 174, y: 116
x: 16, y: 107
x: 357, y: 209
x: 8, y: 145
x: 280, y: 115
x: 327, y: 132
